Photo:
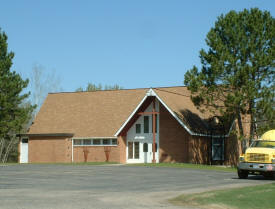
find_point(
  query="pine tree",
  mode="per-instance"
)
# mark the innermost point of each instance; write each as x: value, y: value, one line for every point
x: 238, y: 69
x: 13, y: 112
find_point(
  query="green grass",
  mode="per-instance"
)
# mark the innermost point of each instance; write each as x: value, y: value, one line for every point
x: 8, y: 164
x: 254, y: 197
x: 187, y: 165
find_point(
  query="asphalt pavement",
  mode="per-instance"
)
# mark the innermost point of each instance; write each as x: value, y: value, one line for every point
x: 104, y: 187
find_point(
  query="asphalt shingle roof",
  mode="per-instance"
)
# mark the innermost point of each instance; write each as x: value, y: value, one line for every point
x: 102, y: 113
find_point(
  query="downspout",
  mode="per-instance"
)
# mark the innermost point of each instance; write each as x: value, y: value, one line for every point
x: 72, y: 150
x: 154, y: 131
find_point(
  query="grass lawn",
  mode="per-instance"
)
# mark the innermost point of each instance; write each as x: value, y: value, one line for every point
x: 254, y: 197
x: 187, y: 165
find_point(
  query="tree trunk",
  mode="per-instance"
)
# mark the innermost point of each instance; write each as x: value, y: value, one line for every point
x: 241, y: 132
x: 2, y: 145
x: 8, y: 149
x: 252, y: 128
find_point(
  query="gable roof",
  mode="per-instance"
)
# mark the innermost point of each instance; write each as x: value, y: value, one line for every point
x: 94, y: 114
x: 104, y: 113
x: 178, y: 102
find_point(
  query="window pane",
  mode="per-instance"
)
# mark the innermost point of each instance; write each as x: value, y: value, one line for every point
x: 77, y: 141
x: 217, y: 149
x: 25, y: 140
x: 87, y: 141
x: 217, y: 141
x: 130, y: 150
x: 145, y: 147
x: 96, y: 142
x: 146, y: 124
x: 136, y: 150
x: 138, y: 128
x: 114, y: 141
x: 106, y: 141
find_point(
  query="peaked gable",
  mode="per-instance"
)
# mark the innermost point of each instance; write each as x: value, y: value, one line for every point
x: 178, y: 102
x: 106, y: 113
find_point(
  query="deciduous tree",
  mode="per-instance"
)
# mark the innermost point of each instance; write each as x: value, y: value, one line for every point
x: 94, y: 87
x: 42, y: 82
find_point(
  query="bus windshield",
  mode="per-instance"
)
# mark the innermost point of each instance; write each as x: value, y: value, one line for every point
x: 263, y: 143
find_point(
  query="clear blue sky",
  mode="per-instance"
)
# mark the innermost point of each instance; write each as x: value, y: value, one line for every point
x: 135, y: 44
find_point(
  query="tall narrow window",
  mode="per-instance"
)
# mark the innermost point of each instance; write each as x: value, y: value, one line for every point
x: 136, y: 147
x: 146, y: 124
x: 130, y: 150
x: 156, y: 123
x: 145, y: 147
x: 217, y: 149
x: 138, y: 128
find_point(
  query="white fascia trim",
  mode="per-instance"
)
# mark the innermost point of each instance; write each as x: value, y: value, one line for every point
x: 151, y: 92
x: 132, y: 114
x: 184, y: 126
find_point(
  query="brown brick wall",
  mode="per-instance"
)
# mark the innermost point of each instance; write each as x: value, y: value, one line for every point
x: 96, y: 154
x: 177, y: 145
x: 173, y: 139
x: 122, y: 148
x: 49, y: 149
x: 199, y: 149
x: 232, y: 150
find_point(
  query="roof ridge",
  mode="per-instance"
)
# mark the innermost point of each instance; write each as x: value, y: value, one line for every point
x: 172, y: 92
x: 70, y: 92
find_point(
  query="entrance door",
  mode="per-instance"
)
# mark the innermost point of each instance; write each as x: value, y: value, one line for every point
x: 148, y: 152
x: 133, y: 151
x: 141, y: 152
x: 24, y: 150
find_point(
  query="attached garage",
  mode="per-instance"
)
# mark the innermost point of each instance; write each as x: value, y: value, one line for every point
x: 46, y: 148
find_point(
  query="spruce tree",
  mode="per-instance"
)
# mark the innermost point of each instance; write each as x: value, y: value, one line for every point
x: 13, y: 112
x: 237, y: 77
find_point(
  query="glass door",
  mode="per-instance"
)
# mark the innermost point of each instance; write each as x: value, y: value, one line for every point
x: 133, y: 150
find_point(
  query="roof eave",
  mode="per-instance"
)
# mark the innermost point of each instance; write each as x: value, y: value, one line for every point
x: 46, y: 134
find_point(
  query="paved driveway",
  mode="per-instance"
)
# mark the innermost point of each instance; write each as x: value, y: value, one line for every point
x: 104, y: 187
